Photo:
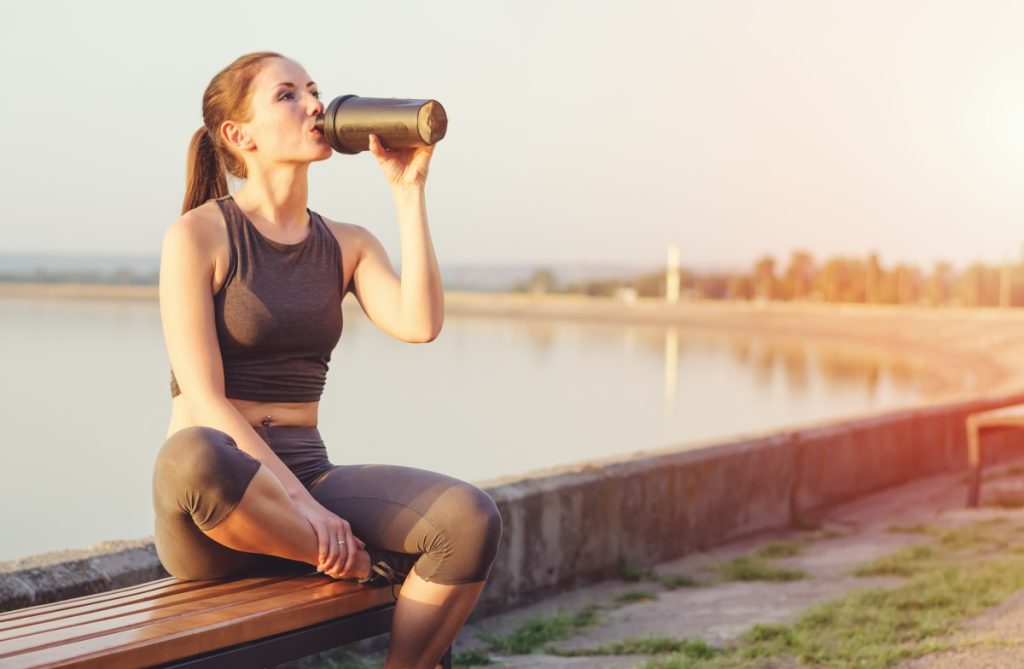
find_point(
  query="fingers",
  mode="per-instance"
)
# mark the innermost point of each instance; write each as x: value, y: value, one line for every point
x: 342, y: 558
x: 350, y: 554
x: 348, y: 563
x: 376, y: 148
x: 323, y: 546
x: 329, y: 550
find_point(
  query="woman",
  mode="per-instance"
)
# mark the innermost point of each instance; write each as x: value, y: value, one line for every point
x: 251, y: 286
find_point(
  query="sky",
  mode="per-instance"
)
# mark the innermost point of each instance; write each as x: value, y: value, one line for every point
x: 579, y: 132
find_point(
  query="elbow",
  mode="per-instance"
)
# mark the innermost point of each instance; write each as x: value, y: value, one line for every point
x: 424, y: 336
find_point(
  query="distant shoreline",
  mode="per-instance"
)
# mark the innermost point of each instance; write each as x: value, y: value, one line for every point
x: 984, y: 344
x: 83, y: 290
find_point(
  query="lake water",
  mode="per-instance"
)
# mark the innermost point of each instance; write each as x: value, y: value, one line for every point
x: 85, y: 402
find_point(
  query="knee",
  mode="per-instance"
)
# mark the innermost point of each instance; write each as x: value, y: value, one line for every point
x: 484, y: 520
x: 472, y: 534
x: 201, y: 472
x: 195, y: 455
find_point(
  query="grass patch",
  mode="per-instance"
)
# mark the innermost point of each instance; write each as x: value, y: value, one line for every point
x: 691, y: 649
x: 780, y: 549
x: 962, y: 574
x: 904, y: 562
x: 537, y: 631
x: 834, y: 534
x: 809, y: 524
x: 632, y: 596
x: 771, y: 639
x: 632, y: 573
x: 754, y: 568
x: 996, y: 521
x: 919, y: 528
x: 970, y: 536
x: 880, y: 627
x: 675, y: 581
x: 470, y: 658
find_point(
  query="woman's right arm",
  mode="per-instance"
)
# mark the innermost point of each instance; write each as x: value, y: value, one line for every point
x: 187, y: 316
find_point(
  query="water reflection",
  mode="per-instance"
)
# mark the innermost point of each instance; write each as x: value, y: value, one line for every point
x: 541, y: 335
x: 789, y: 361
x: 671, y: 368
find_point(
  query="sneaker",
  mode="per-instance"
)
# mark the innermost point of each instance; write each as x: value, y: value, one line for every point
x: 394, y: 569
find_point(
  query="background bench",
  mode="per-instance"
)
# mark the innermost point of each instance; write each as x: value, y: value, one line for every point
x: 977, y: 423
x: 246, y: 622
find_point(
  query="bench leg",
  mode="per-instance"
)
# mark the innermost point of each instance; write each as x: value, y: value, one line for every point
x: 973, y: 463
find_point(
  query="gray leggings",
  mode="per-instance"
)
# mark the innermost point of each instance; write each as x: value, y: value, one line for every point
x: 448, y: 528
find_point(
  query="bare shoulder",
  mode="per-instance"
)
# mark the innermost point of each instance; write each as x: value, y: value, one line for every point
x: 201, y: 229
x: 351, y: 237
x: 196, y: 245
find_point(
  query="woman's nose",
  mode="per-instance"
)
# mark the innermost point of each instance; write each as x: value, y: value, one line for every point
x: 317, y: 107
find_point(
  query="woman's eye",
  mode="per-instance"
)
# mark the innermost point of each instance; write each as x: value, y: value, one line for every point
x: 288, y: 95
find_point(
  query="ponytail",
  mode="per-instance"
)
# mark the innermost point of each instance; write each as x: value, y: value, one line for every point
x: 226, y: 97
x: 204, y: 174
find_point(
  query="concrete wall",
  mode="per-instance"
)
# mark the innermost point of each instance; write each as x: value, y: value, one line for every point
x: 568, y: 528
x: 573, y: 525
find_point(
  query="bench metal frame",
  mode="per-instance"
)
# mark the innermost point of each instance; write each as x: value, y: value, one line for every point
x: 298, y: 643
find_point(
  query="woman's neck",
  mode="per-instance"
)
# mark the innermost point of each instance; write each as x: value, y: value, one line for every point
x: 279, y: 197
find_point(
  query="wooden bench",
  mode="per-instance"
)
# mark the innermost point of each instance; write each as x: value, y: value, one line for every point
x: 1005, y: 417
x: 248, y: 622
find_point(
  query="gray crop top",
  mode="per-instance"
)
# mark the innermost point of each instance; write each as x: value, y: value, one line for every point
x: 278, y: 314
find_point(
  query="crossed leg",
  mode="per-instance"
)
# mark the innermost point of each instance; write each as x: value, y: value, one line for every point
x: 448, y: 527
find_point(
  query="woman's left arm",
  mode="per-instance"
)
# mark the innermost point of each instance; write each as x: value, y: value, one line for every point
x: 409, y: 307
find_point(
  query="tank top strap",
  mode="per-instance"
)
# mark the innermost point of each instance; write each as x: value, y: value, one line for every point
x: 319, y: 226
x: 232, y: 214
x: 234, y: 222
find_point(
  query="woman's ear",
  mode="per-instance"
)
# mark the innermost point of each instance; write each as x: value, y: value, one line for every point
x: 234, y: 135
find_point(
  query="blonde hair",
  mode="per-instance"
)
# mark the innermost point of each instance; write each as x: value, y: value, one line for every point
x: 209, y: 161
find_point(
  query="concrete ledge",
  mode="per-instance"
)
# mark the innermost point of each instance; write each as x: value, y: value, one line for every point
x: 52, y: 577
x: 570, y: 526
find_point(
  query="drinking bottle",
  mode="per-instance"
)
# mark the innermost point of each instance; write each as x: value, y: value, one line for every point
x: 349, y: 120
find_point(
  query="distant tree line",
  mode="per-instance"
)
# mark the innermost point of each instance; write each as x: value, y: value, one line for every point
x: 801, y: 278
x: 92, y: 276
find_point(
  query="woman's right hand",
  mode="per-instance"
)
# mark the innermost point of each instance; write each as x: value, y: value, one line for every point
x: 348, y: 560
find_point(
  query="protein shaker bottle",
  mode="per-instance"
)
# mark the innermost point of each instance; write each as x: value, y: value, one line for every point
x: 349, y: 120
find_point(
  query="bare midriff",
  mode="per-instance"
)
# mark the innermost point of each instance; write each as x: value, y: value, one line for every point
x: 280, y: 413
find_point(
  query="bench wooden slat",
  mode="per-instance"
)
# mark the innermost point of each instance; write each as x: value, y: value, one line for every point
x: 114, y: 611
x: 203, y: 631
x: 92, y: 603
x: 197, y: 626
x: 96, y: 597
x: 215, y: 605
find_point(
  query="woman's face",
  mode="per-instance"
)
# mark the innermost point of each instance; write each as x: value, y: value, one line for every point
x: 284, y: 104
